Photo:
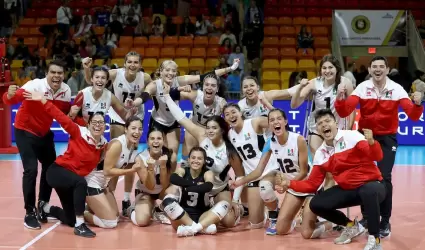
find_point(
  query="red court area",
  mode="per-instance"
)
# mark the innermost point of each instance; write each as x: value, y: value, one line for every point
x: 408, y: 228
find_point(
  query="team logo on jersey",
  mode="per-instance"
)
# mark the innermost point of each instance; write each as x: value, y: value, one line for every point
x: 87, y: 105
x: 136, y: 88
x: 233, y: 139
x: 120, y: 85
x: 103, y: 105
x: 263, y: 108
x: 334, y: 91
x: 46, y: 94
x: 276, y: 151
x: 206, y: 147
x: 290, y: 152
x: 196, y: 106
x: 247, y: 137
x: 368, y: 93
x: 389, y: 94
x: 122, y: 156
x: 342, y: 145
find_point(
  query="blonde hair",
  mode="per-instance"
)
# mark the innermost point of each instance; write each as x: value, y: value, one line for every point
x: 164, y: 64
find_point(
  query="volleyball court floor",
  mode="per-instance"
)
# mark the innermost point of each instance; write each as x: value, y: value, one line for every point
x: 408, y: 220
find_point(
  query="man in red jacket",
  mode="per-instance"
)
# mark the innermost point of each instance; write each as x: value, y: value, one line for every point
x: 379, y: 100
x: 34, y: 138
x: 350, y: 157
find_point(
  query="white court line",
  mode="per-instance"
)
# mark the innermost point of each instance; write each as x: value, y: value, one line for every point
x: 45, y: 232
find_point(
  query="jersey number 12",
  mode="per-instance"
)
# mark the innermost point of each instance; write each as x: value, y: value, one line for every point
x: 287, y: 166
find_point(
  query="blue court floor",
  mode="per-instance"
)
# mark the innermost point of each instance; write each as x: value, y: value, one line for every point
x: 406, y: 155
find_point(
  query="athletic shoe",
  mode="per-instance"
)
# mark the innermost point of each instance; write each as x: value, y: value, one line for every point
x: 125, y: 206
x: 211, y: 229
x: 271, y: 230
x: 31, y: 222
x: 350, y: 233
x: 84, y: 231
x: 184, y: 231
x: 384, y: 229
x: 161, y: 217
x: 363, y: 222
x: 372, y: 244
x: 41, y: 215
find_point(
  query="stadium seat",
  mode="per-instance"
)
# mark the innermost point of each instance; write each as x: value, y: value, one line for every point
x: 314, y: 21
x: 200, y: 42
x: 183, y: 64
x: 140, y: 41
x: 213, y: 42
x: 311, y: 75
x: 271, y: 64
x: 35, y: 31
x: 150, y: 64
x: 16, y: 64
x: 161, y: 60
x: 321, y: 42
x: 155, y: 41
x: 212, y: 52
x: 288, y: 53
x: 271, y: 79
x: 43, y: 21
x: 327, y: 21
x: 299, y: 21
x: 319, y: 53
x: 168, y: 52
x: 126, y: 41
x: 287, y: 31
x: 271, y: 31
x: 211, y: 64
x: 305, y: 53
x: 118, y: 61
x: 199, y: 53
x: 183, y: 52
x: 271, y: 21
x: 197, y: 64
x: 272, y: 53
x: 288, y: 65
x: 186, y: 41
x: 139, y: 50
x: 289, y: 42
x: 98, y: 62
x: 319, y: 31
x: 306, y: 65
x: 152, y: 53
x: 99, y: 30
x: 271, y: 42
x: 121, y: 52
x: 171, y: 41
x: 20, y: 31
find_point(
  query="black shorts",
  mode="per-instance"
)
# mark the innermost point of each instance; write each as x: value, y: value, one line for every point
x: 113, y: 122
x: 161, y: 127
x: 154, y: 197
x: 194, y: 214
x: 94, y: 191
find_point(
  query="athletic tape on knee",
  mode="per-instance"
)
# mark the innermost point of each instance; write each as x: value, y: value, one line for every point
x: 221, y: 209
x: 173, y: 209
x: 104, y: 223
x: 318, y: 232
x: 238, y: 191
x: 267, y: 191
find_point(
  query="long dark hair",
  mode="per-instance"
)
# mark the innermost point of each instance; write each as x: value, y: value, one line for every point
x: 231, y: 151
x: 287, y: 128
x: 165, y: 151
x: 335, y: 62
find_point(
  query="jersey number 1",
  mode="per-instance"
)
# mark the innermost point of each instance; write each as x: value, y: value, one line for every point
x: 328, y: 102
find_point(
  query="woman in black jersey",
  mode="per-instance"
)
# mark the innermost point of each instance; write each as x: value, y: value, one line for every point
x: 187, y: 200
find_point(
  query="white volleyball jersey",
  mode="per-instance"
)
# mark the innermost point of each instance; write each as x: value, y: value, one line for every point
x: 91, y: 106
x: 249, y: 112
x: 286, y: 158
x: 96, y: 179
x: 123, y: 89
x: 325, y: 97
x: 218, y: 163
x: 202, y: 112
x: 144, y: 156
x: 160, y: 112
x: 249, y: 145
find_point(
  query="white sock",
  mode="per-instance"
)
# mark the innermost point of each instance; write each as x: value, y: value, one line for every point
x: 127, y: 196
x: 47, y: 207
x: 80, y: 220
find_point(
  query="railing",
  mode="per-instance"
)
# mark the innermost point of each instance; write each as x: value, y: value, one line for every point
x: 415, y: 43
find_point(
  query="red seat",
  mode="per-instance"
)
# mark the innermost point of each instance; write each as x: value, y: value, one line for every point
x: 298, y: 3
x: 298, y: 12
x: 312, y: 3
x: 284, y: 11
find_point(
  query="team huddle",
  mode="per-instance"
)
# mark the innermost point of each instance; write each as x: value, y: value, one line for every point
x: 251, y: 138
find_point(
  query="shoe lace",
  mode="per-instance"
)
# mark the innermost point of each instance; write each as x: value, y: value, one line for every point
x: 371, y: 243
x: 347, y: 231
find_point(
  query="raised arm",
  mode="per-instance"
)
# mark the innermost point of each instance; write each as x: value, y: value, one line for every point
x: 305, y: 88
x: 147, y: 172
x: 413, y: 109
x: 259, y: 124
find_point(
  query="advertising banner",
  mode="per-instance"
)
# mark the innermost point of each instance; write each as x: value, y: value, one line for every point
x: 371, y: 27
x: 409, y: 132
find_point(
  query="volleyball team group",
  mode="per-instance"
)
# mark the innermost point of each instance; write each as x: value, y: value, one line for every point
x: 348, y: 168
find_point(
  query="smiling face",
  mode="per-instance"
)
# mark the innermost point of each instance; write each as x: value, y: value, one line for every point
x: 55, y: 76
x: 155, y: 142
x: 327, y: 128
x: 232, y: 116
x: 277, y: 122
x: 210, y: 88
x: 168, y: 71
x: 250, y: 89
x: 99, y: 80
x: 196, y: 160
x: 378, y: 70
x: 328, y: 71
x: 132, y: 64
x: 213, y: 130
x: 96, y: 125
x: 134, y: 131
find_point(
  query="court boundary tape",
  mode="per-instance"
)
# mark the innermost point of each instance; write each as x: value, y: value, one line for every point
x: 48, y: 230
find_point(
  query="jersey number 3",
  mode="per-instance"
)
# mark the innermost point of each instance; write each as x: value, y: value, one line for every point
x: 247, y: 151
x: 193, y: 199
x: 287, y: 166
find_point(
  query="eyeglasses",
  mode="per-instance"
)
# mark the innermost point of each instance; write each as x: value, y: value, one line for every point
x: 100, y: 123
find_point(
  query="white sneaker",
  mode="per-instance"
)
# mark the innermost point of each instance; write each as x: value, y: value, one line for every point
x: 211, y: 229
x: 372, y: 244
x: 161, y: 217
x: 184, y: 231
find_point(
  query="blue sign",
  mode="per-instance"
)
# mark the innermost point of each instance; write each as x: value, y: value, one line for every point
x: 409, y: 132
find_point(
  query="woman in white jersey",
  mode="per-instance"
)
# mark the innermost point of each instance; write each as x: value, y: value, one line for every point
x: 221, y: 156
x: 96, y: 98
x: 207, y: 102
x: 247, y: 137
x: 118, y: 160
x: 127, y: 84
x: 254, y: 102
x: 161, y: 117
x: 157, y: 163
x: 289, y: 151
x: 324, y: 90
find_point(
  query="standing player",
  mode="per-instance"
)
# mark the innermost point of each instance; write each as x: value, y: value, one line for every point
x: 248, y: 139
x: 156, y: 165
x: 119, y: 160
x: 96, y: 98
x: 34, y: 137
x: 289, y: 151
x: 187, y: 201
x: 324, y: 89
x: 127, y: 84
x: 379, y: 99
x: 221, y: 156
